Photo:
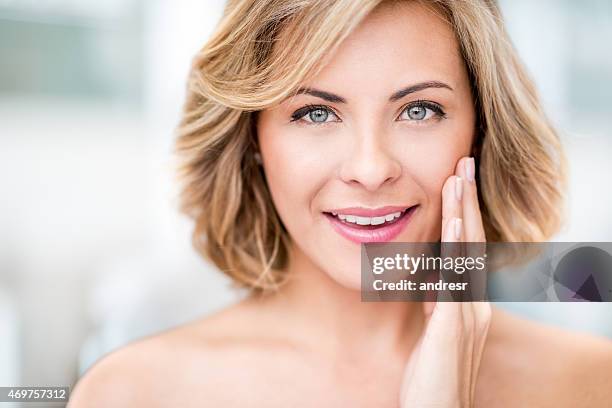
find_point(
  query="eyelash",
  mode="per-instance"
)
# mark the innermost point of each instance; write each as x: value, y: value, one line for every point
x: 434, y: 107
x: 299, y: 114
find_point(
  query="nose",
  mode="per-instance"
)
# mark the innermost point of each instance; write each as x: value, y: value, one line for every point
x: 370, y: 163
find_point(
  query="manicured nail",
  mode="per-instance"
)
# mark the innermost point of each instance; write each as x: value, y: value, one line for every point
x: 458, y: 225
x: 470, y: 169
x: 458, y: 188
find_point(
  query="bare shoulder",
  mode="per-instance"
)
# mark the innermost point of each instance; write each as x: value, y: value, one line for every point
x: 543, y: 365
x: 119, y: 378
x: 185, y: 366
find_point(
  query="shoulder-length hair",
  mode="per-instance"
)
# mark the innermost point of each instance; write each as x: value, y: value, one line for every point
x: 239, y: 71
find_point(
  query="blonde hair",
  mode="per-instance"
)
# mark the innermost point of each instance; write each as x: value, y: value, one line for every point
x: 520, y: 163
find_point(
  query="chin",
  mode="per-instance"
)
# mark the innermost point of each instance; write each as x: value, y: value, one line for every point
x: 347, y: 275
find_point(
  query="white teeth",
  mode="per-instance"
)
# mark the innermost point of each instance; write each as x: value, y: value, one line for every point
x: 378, y: 220
x: 356, y: 219
x: 363, y: 220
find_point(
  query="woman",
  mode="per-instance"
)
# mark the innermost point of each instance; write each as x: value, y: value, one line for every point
x: 313, y: 126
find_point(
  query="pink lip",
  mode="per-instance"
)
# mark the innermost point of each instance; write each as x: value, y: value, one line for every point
x: 383, y: 233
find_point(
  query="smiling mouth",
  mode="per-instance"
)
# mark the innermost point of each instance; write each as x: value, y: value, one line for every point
x: 381, y: 225
x: 369, y: 223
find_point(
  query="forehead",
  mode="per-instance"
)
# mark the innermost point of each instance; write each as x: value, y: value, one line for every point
x: 397, y: 44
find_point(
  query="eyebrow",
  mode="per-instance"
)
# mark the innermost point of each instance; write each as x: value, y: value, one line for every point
x: 328, y: 96
x: 418, y: 87
x: 331, y: 97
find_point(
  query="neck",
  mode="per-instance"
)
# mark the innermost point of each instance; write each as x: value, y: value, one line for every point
x: 326, y: 314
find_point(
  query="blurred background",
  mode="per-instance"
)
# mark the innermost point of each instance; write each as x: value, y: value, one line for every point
x: 93, y: 252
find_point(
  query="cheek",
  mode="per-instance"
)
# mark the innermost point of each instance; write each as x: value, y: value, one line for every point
x: 433, y: 166
x: 434, y: 154
x: 295, y: 171
x: 430, y: 159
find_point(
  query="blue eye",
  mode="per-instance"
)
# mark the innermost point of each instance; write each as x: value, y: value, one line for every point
x: 314, y: 114
x: 421, y: 111
x: 416, y: 112
x: 318, y: 115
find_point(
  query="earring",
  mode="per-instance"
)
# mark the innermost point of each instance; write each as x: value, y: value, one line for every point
x: 257, y: 157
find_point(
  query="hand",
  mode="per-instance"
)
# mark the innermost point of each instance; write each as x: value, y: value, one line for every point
x: 443, y: 367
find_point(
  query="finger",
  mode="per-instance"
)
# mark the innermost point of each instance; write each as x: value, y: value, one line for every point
x: 476, y: 319
x: 430, y: 296
x: 450, y: 247
x: 472, y: 218
x: 471, y: 348
x: 482, y: 315
x: 452, y: 230
x: 473, y: 228
x: 477, y: 314
x: 452, y: 192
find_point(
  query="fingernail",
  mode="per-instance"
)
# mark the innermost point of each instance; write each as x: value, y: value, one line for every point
x: 470, y: 169
x: 458, y: 188
x: 458, y: 225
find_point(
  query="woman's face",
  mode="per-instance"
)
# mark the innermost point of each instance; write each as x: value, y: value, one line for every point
x: 374, y: 135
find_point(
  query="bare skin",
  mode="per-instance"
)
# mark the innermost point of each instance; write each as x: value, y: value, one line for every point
x: 313, y: 343
x: 236, y: 359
